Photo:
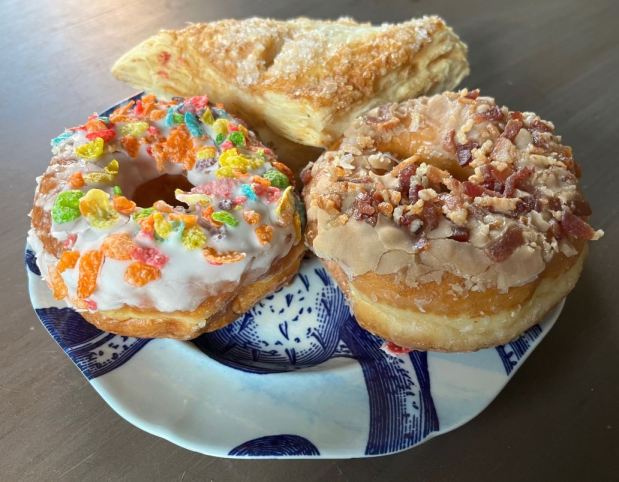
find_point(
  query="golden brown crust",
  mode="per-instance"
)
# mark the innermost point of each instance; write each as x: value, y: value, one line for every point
x: 451, y: 329
x: 307, y: 79
x: 214, y: 313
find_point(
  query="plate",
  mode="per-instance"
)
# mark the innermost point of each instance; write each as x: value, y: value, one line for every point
x: 295, y: 377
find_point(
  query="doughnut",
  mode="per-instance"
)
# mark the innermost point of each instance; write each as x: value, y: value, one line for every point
x: 304, y: 79
x: 165, y: 219
x: 451, y: 224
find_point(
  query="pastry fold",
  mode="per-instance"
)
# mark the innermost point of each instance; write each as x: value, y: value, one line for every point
x: 304, y: 79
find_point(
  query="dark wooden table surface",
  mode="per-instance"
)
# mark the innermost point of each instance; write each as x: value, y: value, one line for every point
x: 559, y: 417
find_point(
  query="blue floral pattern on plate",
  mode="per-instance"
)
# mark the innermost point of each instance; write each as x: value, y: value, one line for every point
x: 294, y: 377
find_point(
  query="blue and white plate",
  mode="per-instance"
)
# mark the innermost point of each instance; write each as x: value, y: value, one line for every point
x: 294, y: 377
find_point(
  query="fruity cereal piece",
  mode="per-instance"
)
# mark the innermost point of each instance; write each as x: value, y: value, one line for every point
x: 193, y: 238
x: 91, y: 150
x: 277, y: 178
x: 140, y: 274
x: 67, y: 206
x: 215, y: 257
x: 106, y: 177
x: 264, y: 233
x: 59, y: 288
x: 189, y: 220
x: 251, y: 217
x: 97, y: 208
x: 286, y: 207
x: 285, y: 169
x: 131, y: 145
x: 89, y: 267
x: 118, y: 246
x: 162, y: 227
x: 225, y: 218
x: 68, y: 260
x: 123, y: 205
x: 135, y: 129
x: 76, y: 180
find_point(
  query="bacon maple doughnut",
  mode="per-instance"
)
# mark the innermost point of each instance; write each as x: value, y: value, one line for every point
x: 165, y: 219
x: 451, y: 223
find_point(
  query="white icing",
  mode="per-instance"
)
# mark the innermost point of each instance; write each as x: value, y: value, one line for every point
x: 187, y: 278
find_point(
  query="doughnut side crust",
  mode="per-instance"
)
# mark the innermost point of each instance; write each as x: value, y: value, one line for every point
x: 213, y: 313
x: 305, y: 79
x: 411, y: 328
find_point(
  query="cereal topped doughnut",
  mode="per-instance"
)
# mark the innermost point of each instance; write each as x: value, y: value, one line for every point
x: 451, y: 223
x: 165, y: 219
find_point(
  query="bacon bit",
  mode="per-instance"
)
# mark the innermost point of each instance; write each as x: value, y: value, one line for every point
x: 430, y: 215
x: 492, y: 114
x: 131, y: 145
x: 394, y: 350
x: 464, y: 152
x: 472, y: 190
x: 404, y: 177
x: 472, y: 94
x: 554, y: 204
x: 218, y: 258
x: 514, y: 180
x: 164, y: 57
x: 264, y: 233
x: 502, y: 247
x: 494, y: 180
x: 540, y: 125
x: 460, y: 233
x: 364, y: 208
x: 449, y: 141
x: 575, y: 227
x: 555, y: 230
x: 512, y: 128
x: 516, y: 115
x: 251, y: 217
x: 580, y: 207
x: 526, y: 205
x: 123, y: 205
x: 76, y: 180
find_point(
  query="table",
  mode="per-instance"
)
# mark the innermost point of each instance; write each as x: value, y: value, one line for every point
x: 557, y: 420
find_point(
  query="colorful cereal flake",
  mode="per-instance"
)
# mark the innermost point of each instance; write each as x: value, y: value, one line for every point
x: 91, y: 150
x: 140, y: 274
x: 150, y: 256
x: 89, y: 267
x: 97, y: 208
x: 118, y: 246
x: 218, y: 258
x: 107, y: 176
x: 67, y: 206
x: 194, y: 238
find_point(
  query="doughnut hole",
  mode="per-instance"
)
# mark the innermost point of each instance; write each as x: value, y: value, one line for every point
x: 161, y: 188
x: 407, y: 144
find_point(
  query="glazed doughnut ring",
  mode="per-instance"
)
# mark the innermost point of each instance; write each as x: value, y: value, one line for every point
x: 165, y: 219
x: 450, y: 223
